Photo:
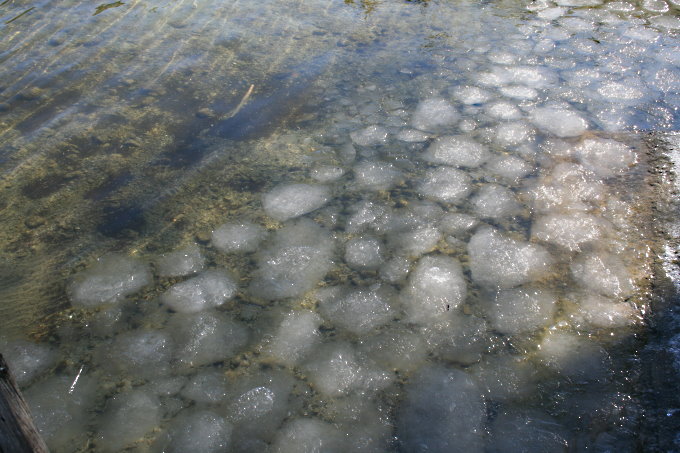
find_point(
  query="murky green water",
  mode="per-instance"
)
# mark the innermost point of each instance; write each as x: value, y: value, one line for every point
x: 139, y: 128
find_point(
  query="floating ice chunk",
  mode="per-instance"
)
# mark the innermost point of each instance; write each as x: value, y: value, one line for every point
x: 210, y: 289
x: 206, y: 337
x: 293, y: 200
x: 257, y: 405
x: 603, y: 273
x: 655, y: 6
x: 551, y: 13
x: 669, y: 22
x: 532, y: 76
x: 517, y: 430
x: 333, y: 369
x: 456, y: 150
x: 509, y: 167
x: 456, y: 223
x: 503, y: 111
x: 579, y: 3
x: 576, y: 24
x: 365, y: 214
x: 364, y: 253
x: 570, y: 187
x: 519, y: 92
x: 196, y: 431
x: 568, y: 230
x: 558, y: 121
x: 238, y: 237
x: 605, y: 157
x: 512, y: 134
x: 520, y: 310
x: 497, y: 261
x: 358, y: 311
x: 370, y: 136
x: 504, y: 58
x: 373, y: 175
x: 295, y: 337
x: 412, y: 136
x: 128, y: 417
x: 308, y: 435
x: 299, y: 257
x: 433, y: 113
x: 459, y: 338
x: 599, y: 311
x: 573, y: 356
x: 62, y: 413
x: 327, y: 173
x: 443, y: 411
x: 185, y: 261
x: 471, y: 95
x: 27, y: 360
x: 505, y: 377
x: 395, y: 270
x: 624, y: 7
x: 620, y: 92
x: 113, y: 277
x: 495, y: 202
x: 139, y: 352
x: 445, y: 184
x: 415, y: 242
x: 206, y: 387
x: 396, y: 349
x: 435, y: 288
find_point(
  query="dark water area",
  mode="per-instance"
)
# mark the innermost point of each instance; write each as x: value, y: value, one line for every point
x: 342, y: 225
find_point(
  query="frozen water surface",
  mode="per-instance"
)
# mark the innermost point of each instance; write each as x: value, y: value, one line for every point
x: 396, y: 226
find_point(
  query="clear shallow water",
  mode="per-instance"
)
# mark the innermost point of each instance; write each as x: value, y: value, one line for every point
x: 467, y: 267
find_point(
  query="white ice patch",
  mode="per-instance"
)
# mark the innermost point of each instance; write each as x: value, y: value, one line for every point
x: 519, y: 92
x: 374, y: 175
x: 128, y: 417
x: 495, y: 202
x: 520, y: 310
x: 238, y: 237
x: 456, y: 150
x: 471, y: 95
x: 433, y: 113
x: 497, y: 261
x: 370, y: 136
x: 599, y: 311
x: 605, y: 157
x: 206, y: 337
x: 457, y: 223
x: 532, y: 76
x: 295, y: 337
x: 27, y: 360
x: 445, y: 184
x: 443, y: 411
x: 415, y: 242
x: 396, y: 349
x: 503, y: 111
x: 333, y: 369
x: 206, y: 387
x: 185, y: 261
x: 293, y: 200
x: 308, y: 435
x: 358, y: 311
x: 568, y: 230
x: 395, y: 270
x: 435, y: 288
x: 364, y: 252
x: 603, y: 273
x: 568, y: 187
x: 210, y: 289
x: 512, y: 134
x: 573, y: 356
x: 509, y: 167
x: 412, y: 136
x: 365, y: 214
x: 327, y: 173
x: 112, y: 278
x: 139, y: 352
x: 299, y: 257
x: 196, y: 431
x: 558, y: 121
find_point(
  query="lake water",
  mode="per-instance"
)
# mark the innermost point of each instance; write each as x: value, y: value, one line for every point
x: 342, y: 226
